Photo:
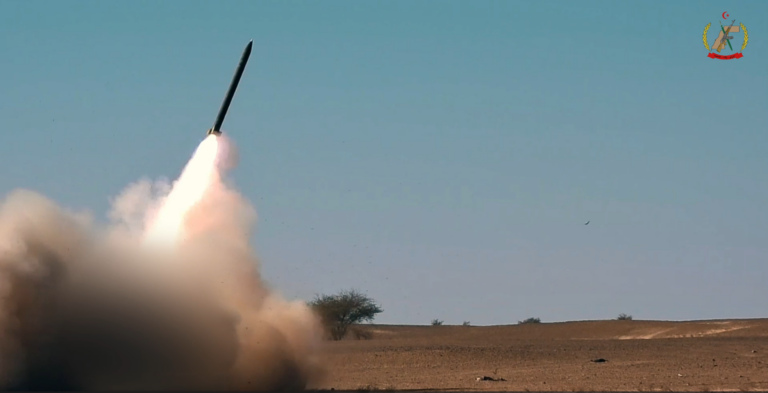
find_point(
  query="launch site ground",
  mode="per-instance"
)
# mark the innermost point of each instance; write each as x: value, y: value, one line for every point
x: 721, y: 355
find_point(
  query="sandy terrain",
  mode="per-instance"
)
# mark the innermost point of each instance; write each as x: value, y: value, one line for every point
x: 640, y: 355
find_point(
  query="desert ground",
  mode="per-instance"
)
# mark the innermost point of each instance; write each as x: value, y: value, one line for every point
x: 723, y: 355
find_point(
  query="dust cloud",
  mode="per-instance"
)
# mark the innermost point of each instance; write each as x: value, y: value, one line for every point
x: 168, y: 296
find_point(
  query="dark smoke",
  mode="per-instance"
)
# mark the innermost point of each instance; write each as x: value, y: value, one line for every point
x: 88, y: 309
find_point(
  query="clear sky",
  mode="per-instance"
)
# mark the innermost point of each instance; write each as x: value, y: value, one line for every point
x: 441, y: 155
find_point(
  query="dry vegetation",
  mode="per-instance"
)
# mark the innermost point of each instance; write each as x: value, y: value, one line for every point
x: 639, y: 356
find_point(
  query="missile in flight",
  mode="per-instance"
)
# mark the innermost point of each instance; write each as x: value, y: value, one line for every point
x: 216, y: 130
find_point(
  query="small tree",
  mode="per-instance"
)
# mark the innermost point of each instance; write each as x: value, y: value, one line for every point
x: 437, y: 322
x: 343, y: 309
x: 529, y: 320
x: 624, y: 317
x: 466, y: 323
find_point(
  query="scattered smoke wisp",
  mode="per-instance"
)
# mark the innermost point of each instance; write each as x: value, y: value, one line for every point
x: 167, y: 297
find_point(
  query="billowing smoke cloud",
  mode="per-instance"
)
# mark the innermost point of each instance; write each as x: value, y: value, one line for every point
x: 167, y: 297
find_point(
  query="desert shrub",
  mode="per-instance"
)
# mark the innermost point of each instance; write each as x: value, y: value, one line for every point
x: 529, y: 320
x: 343, y: 309
x: 466, y: 323
x: 624, y: 317
x: 437, y: 322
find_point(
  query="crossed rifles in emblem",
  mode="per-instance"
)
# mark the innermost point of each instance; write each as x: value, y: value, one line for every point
x: 725, y: 38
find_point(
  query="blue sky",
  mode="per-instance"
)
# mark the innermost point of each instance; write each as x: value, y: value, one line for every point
x: 440, y: 155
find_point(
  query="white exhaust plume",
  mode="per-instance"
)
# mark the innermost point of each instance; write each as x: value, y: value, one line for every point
x: 168, y: 297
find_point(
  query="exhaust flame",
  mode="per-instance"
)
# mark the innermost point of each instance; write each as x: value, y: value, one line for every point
x: 191, y: 187
x: 82, y: 311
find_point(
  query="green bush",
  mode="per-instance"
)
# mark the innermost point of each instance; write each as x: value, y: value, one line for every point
x: 529, y: 320
x: 343, y: 309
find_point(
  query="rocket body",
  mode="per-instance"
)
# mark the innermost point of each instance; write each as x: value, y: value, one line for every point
x: 216, y: 130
